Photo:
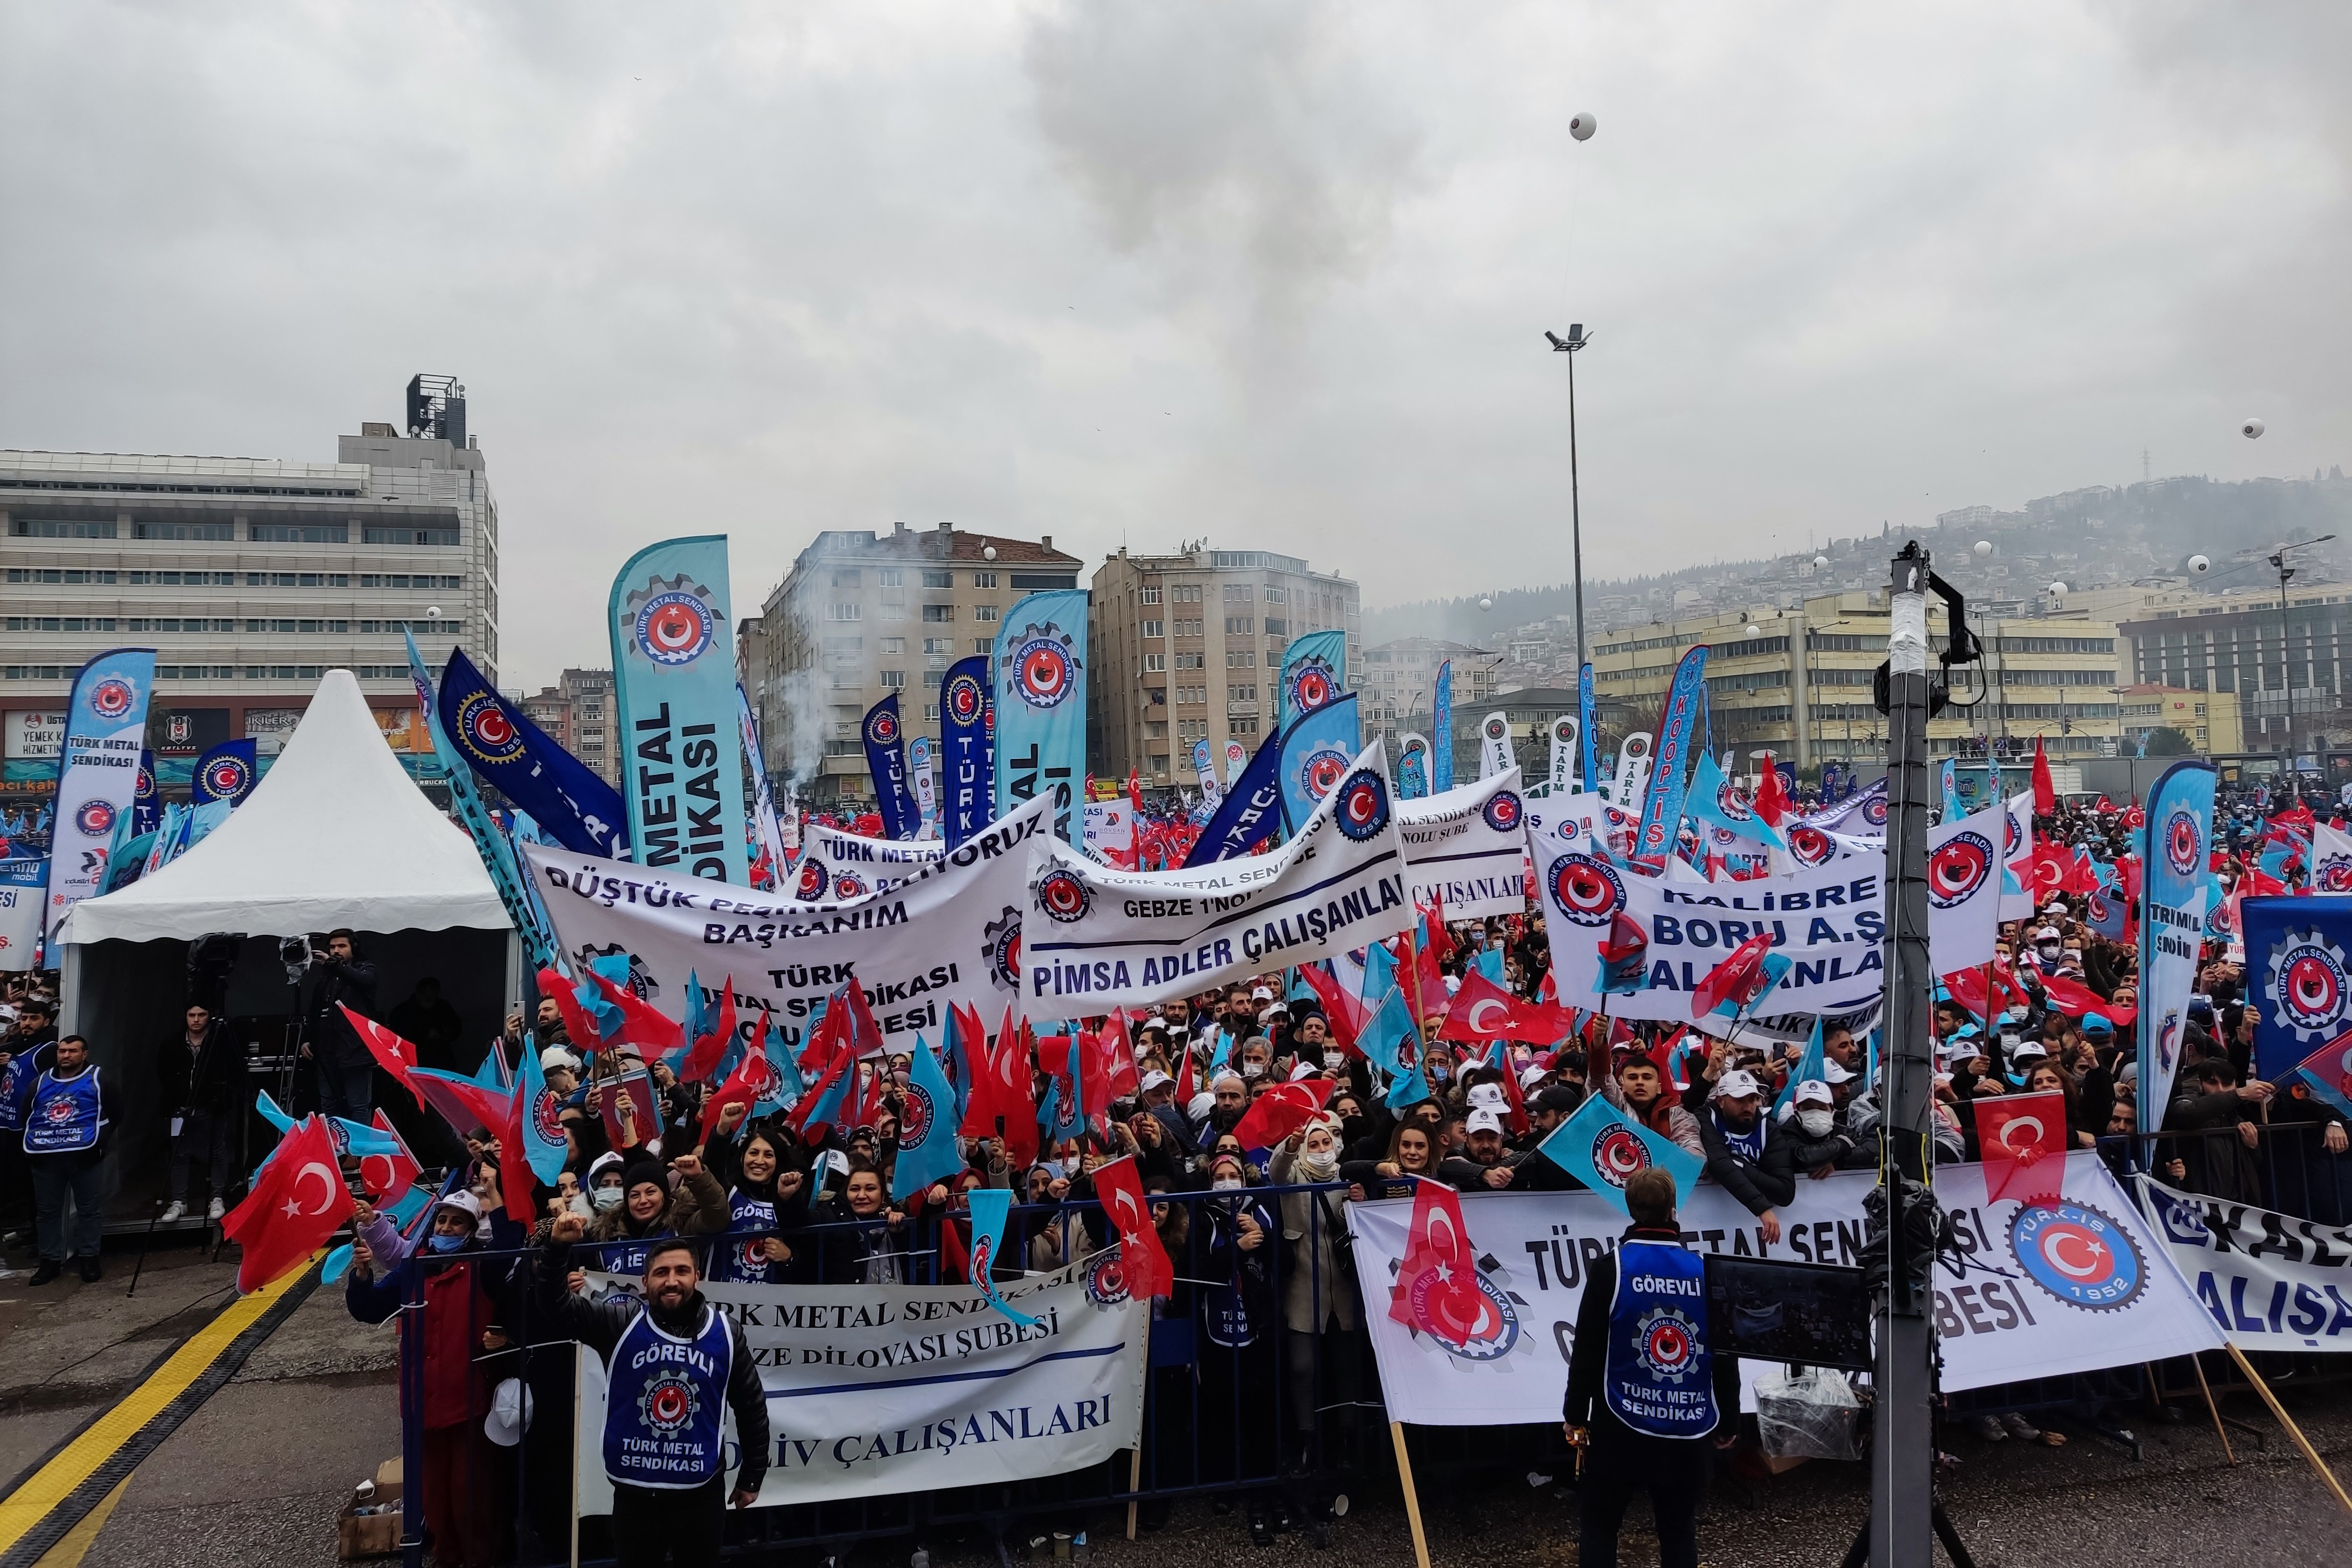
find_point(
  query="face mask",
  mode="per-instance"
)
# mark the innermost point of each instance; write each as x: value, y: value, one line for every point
x: 1226, y: 1184
x: 1253, y: 1070
x: 2049, y: 950
x: 2015, y: 1015
x: 606, y: 1197
x: 1322, y: 1166
x: 1332, y: 1059
x: 1070, y: 1165
x: 440, y: 1243
x: 1440, y: 1072
x: 1817, y: 1123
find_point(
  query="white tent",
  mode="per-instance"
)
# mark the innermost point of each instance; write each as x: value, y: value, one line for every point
x: 335, y: 834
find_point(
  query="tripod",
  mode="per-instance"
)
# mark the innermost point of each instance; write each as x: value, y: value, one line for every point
x: 1859, y: 1553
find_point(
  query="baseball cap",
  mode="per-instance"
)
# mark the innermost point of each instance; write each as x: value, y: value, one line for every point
x: 2047, y: 934
x: 1737, y: 1084
x: 1486, y: 1097
x: 511, y: 1409
x: 1483, y: 1121
x: 1532, y: 1076
x: 1155, y: 1078
x: 1560, y: 1099
x: 1832, y: 1072
x: 2029, y: 1047
x: 556, y: 1056
x: 1261, y: 994
x: 1813, y: 1092
x: 1272, y: 1012
x: 2097, y: 1024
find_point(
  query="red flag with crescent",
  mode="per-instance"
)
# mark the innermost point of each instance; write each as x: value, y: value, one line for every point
x: 1281, y: 1111
x: 295, y: 1208
x: 1141, y: 1258
x: 2023, y: 1138
x: 652, y: 1031
x: 576, y: 1021
x: 1437, y: 1290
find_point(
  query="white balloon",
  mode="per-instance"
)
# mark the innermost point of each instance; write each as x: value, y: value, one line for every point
x: 988, y: 552
x: 433, y: 611
x: 2199, y: 564
x: 1581, y: 127
x: 1820, y: 562
x: 1984, y: 547
x: 1755, y: 632
x: 2253, y: 428
x: 1486, y: 605
x: 2057, y: 591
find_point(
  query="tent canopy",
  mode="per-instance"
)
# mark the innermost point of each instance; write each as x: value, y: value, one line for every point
x: 335, y: 834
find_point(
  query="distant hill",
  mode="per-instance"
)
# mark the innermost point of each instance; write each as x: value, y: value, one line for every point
x: 2100, y: 537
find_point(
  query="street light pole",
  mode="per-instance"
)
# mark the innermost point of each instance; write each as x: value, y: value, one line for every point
x: 2286, y: 666
x: 1568, y: 345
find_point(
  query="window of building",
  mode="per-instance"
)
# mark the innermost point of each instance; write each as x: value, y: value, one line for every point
x: 935, y: 578
x: 70, y: 624
x: 1241, y: 626
x: 1242, y: 725
x: 404, y: 579
x: 1191, y: 660
x: 985, y: 612
x: 890, y: 576
x: 845, y: 612
x: 1044, y: 582
x: 1153, y: 627
x: 1184, y: 593
x: 1241, y: 658
x: 840, y: 645
x: 984, y: 579
x: 894, y: 680
x: 1239, y: 593
x: 891, y: 609
x: 844, y: 748
x: 43, y: 528
x: 188, y: 578
x: 936, y: 645
x: 896, y: 646
x: 1278, y: 596
x: 1276, y: 628
x: 1185, y: 629
x: 1151, y: 595
x: 939, y: 614
x: 982, y: 645
x: 183, y: 530
x: 444, y: 538
x: 930, y: 713
x: 848, y: 577
x: 1153, y: 664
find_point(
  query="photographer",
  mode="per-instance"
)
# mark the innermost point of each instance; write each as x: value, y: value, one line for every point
x: 199, y: 1070
x: 339, y: 978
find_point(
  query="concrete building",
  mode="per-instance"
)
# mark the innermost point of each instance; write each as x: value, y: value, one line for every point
x: 1188, y: 647
x: 2210, y: 719
x: 862, y: 615
x: 1398, y: 683
x: 1798, y: 682
x: 2285, y: 670
x: 578, y: 713
x: 250, y: 577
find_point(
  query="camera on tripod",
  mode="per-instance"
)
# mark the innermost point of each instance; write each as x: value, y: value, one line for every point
x: 294, y: 952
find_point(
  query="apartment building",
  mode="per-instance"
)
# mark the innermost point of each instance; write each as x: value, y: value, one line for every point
x: 250, y: 577
x: 862, y: 615
x: 1188, y: 647
x: 2284, y: 668
x: 578, y: 713
x: 2210, y: 719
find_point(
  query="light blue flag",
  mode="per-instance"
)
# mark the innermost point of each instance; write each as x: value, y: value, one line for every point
x: 1810, y: 1066
x: 1039, y: 680
x: 674, y: 685
x: 956, y: 1055
x: 489, y: 843
x: 1391, y: 1041
x: 1490, y: 964
x: 1953, y: 810
x: 542, y: 1124
x: 784, y: 1076
x: 1678, y: 731
x: 1441, y: 747
x: 98, y: 774
x: 927, y: 1127
x: 1714, y: 802
x: 1588, y: 730
x: 1412, y: 767
x: 989, y: 1207
x: 1314, y: 672
x: 1317, y: 751
x: 1602, y: 1147
x: 2173, y: 894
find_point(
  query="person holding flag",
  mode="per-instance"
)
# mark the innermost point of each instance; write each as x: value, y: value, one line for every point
x: 1647, y: 1390
x: 762, y: 1198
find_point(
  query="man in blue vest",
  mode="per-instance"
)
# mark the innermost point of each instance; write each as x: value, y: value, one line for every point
x: 28, y: 1049
x: 65, y: 1144
x: 1647, y: 1396
x: 671, y: 1359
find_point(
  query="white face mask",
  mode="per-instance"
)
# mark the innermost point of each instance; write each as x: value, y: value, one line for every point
x: 1070, y: 1163
x: 1253, y: 1070
x: 2050, y: 951
x: 1226, y: 1184
x: 606, y: 1197
x: 1817, y: 1123
x: 1332, y: 1059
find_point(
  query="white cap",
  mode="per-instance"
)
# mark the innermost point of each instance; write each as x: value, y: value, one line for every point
x: 1833, y: 1072
x: 1269, y: 1013
x: 2047, y: 934
x: 1737, y: 1084
x: 461, y: 1199
x: 1303, y: 1068
x: 2030, y: 1048
x: 1261, y: 994
x: 1200, y: 1106
x: 1531, y: 1077
x: 1155, y: 1078
x: 512, y: 1407
x: 1483, y: 1121
x: 608, y: 1160
x: 1813, y: 1092
x: 1486, y: 1097
x: 2056, y: 907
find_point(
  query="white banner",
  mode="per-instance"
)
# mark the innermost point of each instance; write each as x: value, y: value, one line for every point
x: 1111, y: 833
x: 881, y: 1389
x: 1828, y: 921
x: 97, y: 773
x: 1468, y: 847
x: 2271, y: 1281
x: 1964, y: 889
x: 33, y: 737
x: 951, y: 934
x: 835, y: 865
x: 2060, y: 1288
x: 21, y: 881
x: 1100, y: 939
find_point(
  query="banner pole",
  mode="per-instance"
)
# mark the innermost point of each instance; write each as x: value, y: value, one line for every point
x: 1412, y: 1499
x: 2206, y: 1389
x: 1134, y: 1484
x: 2293, y: 1430
x: 577, y: 1352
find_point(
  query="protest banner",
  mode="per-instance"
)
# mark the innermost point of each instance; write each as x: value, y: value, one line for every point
x: 1039, y: 662
x: 98, y: 779
x: 835, y: 865
x: 1101, y: 938
x: 2044, y: 1291
x: 2173, y: 893
x: 875, y: 1390
x: 948, y: 935
x: 674, y: 685
x: 2271, y: 1281
x: 1467, y: 848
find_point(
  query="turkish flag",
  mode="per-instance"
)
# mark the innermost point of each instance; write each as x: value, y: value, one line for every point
x: 1739, y: 978
x: 297, y: 1203
x: 1437, y: 1290
x: 1343, y: 1012
x: 710, y: 1050
x: 2074, y: 999
x: 2022, y: 1140
x: 2045, y: 793
x: 1281, y: 1111
x: 746, y: 1086
x: 1770, y: 805
x: 641, y: 1026
x: 394, y: 1054
x: 2050, y: 870
x: 1013, y: 1090
x: 865, y: 1034
x: 1482, y: 1011
x: 388, y: 1177
x: 576, y: 1021
x: 1117, y: 1052
x: 1141, y: 1257
x: 1184, y: 1087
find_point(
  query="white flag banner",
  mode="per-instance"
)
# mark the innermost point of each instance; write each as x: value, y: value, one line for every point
x: 1111, y: 833
x: 875, y: 1390
x: 1100, y: 938
x: 2045, y: 1290
x: 1964, y: 889
x: 836, y: 865
x: 1467, y: 847
x: 949, y: 934
x: 2271, y: 1281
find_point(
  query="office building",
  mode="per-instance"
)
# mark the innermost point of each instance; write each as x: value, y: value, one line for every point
x: 1188, y: 647
x: 578, y: 713
x: 2284, y: 669
x: 250, y: 577
x: 863, y: 614
x: 2208, y: 718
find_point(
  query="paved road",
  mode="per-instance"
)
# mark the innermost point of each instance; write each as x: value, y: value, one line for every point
x: 255, y: 1476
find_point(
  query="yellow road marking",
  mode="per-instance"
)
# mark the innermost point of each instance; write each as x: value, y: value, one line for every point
x: 69, y: 1552
x: 29, y: 1504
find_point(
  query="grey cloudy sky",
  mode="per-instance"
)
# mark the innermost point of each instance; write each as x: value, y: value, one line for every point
x: 1272, y: 273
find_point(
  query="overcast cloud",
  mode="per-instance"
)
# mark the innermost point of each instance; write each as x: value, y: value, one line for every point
x: 1275, y: 273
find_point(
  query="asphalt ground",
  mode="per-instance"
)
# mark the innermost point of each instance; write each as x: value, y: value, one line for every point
x: 257, y: 1474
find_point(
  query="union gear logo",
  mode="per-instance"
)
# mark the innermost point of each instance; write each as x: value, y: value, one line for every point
x: 2078, y: 1255
x: 813, y: 881
x: 96, y: 818
x: 1107, y: 1280
x: 1810, y: 846
x: 1728, y: 801
x: 1311, y: 687
x: 1956, y: 870
x: 546, y: 1118
x: 111, y: 697
x: 1665, y: 1343
x: 1586, y: 892
x: 1503, y: 813
x: 916, y: 1114
x: 2307, y: 984
x: 484, y: 730
x: 2183, y: 844
x: 673, y: 624
x: 963, y: 700
x: 1874, y: 810
x: 1363, y: 808
x: 1618, y: 1155
x: 882, y: 727
x: 228, y: 778
x: 1000, y: 949
x: 2333, y: 874
x: 848, y: 884
x: 1323, y: 767
x: 1044, y: 669
x: 668, y: 1404
x: 1064, y: 895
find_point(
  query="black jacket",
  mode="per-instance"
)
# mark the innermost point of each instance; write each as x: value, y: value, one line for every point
x: 1759, y: 1185
x: 1588, y: 1354
x: 209, y: 1078
x: 327, y: 989
x: 599, y: 1325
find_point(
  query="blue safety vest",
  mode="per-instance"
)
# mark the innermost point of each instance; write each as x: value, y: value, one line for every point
x: 62, y: 1117
x: 1658, y: 1377
x: 627, y: 1257
x: 16, y: 1080
x: 746, y: 1262
x: 664, y: 1400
